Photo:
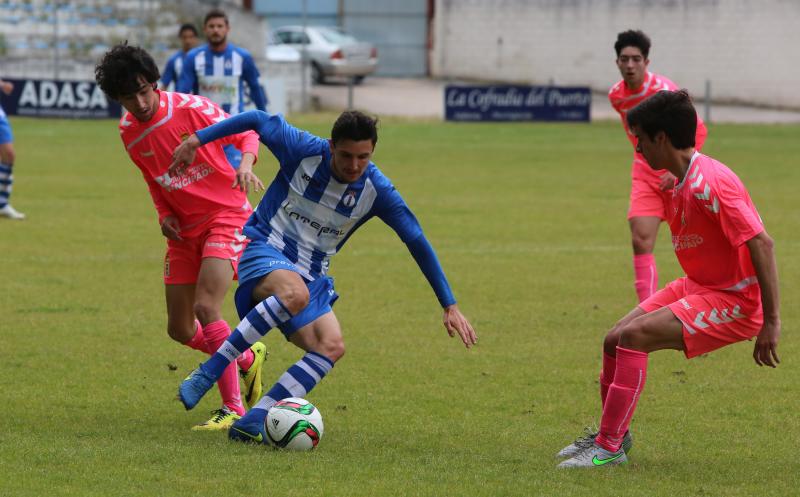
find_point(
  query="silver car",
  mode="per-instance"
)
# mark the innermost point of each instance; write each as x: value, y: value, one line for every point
x: 331, y: 52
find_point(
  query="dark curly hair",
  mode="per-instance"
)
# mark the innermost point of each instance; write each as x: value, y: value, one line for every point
x: 669, y: 111
x: 118, y: 71
x: 631, y: 38
x: 356, y: 126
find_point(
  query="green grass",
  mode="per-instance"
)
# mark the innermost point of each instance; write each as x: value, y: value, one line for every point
x: 529, y: 223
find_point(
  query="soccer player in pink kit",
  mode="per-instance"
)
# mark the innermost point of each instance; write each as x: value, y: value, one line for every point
x: 201, y: 211
x: 729, y: 293
x: 650, y: 188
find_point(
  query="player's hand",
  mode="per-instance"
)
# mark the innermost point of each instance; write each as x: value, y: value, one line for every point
x: 171, y: 228
x: 183, y: 155
x: 245, y: 176
x: 765, y: 352
x: 667, y: 181
x: 455, y: 322
x: 8, y: 87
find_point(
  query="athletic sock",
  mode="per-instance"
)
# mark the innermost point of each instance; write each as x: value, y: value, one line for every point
x: 228, y: 381
x: 607, y: 376
x: 198, y: 341
x: 6, y: 182
x: 297, y: 381
x: 263, y: 317
x: 645, y: 275
x: 623, y: 394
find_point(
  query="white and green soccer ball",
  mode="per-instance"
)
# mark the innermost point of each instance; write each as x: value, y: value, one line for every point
x: 294, y: 424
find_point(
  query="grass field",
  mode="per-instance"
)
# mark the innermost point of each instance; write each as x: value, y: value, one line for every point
x: 529, y: 223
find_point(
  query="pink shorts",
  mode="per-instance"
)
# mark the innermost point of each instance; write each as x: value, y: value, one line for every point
x: 647, y: 199
x: 711, y: 318
x: 220, y: 239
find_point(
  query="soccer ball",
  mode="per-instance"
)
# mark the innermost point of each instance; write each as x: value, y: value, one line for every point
x: 294, y: 424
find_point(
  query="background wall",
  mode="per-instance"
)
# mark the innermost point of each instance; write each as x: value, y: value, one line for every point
x: 747, y: 49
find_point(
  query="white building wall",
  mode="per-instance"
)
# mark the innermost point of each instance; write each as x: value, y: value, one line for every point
x: 746, y: 48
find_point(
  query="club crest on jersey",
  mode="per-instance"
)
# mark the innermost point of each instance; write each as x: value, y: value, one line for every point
x: 349, y: 199
x: 228, y: 64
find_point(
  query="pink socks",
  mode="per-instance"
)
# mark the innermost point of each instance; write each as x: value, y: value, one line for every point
x: 623, y: 393
x: 645, y: 275
x: 607, y: 376
x: 216, y: 333
x: 198, y: 342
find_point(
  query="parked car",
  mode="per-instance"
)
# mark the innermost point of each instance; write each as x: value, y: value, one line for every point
x: 332, y: 52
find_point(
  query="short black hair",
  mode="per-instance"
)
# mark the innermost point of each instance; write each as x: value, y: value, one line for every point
x: 669, y: 111
x: 118, y: 71
x: 631, y: 38
x: 187, y: 27
x: 213, y: 14
x: 356, y: 126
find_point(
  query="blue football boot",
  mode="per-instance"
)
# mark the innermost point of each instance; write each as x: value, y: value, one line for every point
x: 194, y: 387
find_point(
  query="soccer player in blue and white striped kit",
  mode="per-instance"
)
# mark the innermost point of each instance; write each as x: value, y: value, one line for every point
x: 218, y: 70
x: 187, y: 33
x: 7, y: 156
x: 323, y: 192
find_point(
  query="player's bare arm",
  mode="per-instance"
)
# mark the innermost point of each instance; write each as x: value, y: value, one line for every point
x: 245, y: 175
x: 763, y: 256
x: 455, y: 322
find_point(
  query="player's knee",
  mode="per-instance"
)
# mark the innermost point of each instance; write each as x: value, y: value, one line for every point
x: 294, y: 298
x: 7, y: 155
x: 633, y: 336
x: 206, y: 312
x: 611, y: 341
x: 332, y: 349
x: 643, y: 243
x: 180, y: 334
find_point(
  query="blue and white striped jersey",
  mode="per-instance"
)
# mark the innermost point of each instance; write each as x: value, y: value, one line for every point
x: 308, y: 215
x: 173, y: 69
x: 221, y: 76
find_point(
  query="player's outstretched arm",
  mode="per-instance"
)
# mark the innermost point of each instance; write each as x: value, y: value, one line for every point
x: 183, y: 156
x: 761, y: 253
x: 455, y: 322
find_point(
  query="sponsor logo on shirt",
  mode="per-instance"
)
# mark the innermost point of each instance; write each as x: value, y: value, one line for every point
x: 192, y: 175
x: 321, y: 230
x: 683, y: 242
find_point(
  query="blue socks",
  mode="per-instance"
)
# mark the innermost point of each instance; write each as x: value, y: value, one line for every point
x: 263, y: 317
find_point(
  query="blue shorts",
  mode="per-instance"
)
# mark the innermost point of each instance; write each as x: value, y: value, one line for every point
x: 5, y: 131
x: 258, y: 260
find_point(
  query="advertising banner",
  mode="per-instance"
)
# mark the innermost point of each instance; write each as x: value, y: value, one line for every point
x: 517, y: 103
x: 52, y: 98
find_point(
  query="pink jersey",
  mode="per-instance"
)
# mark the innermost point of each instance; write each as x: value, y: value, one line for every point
x: 711, y: 218
x: 623, y: 99
x: 204, y: 190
